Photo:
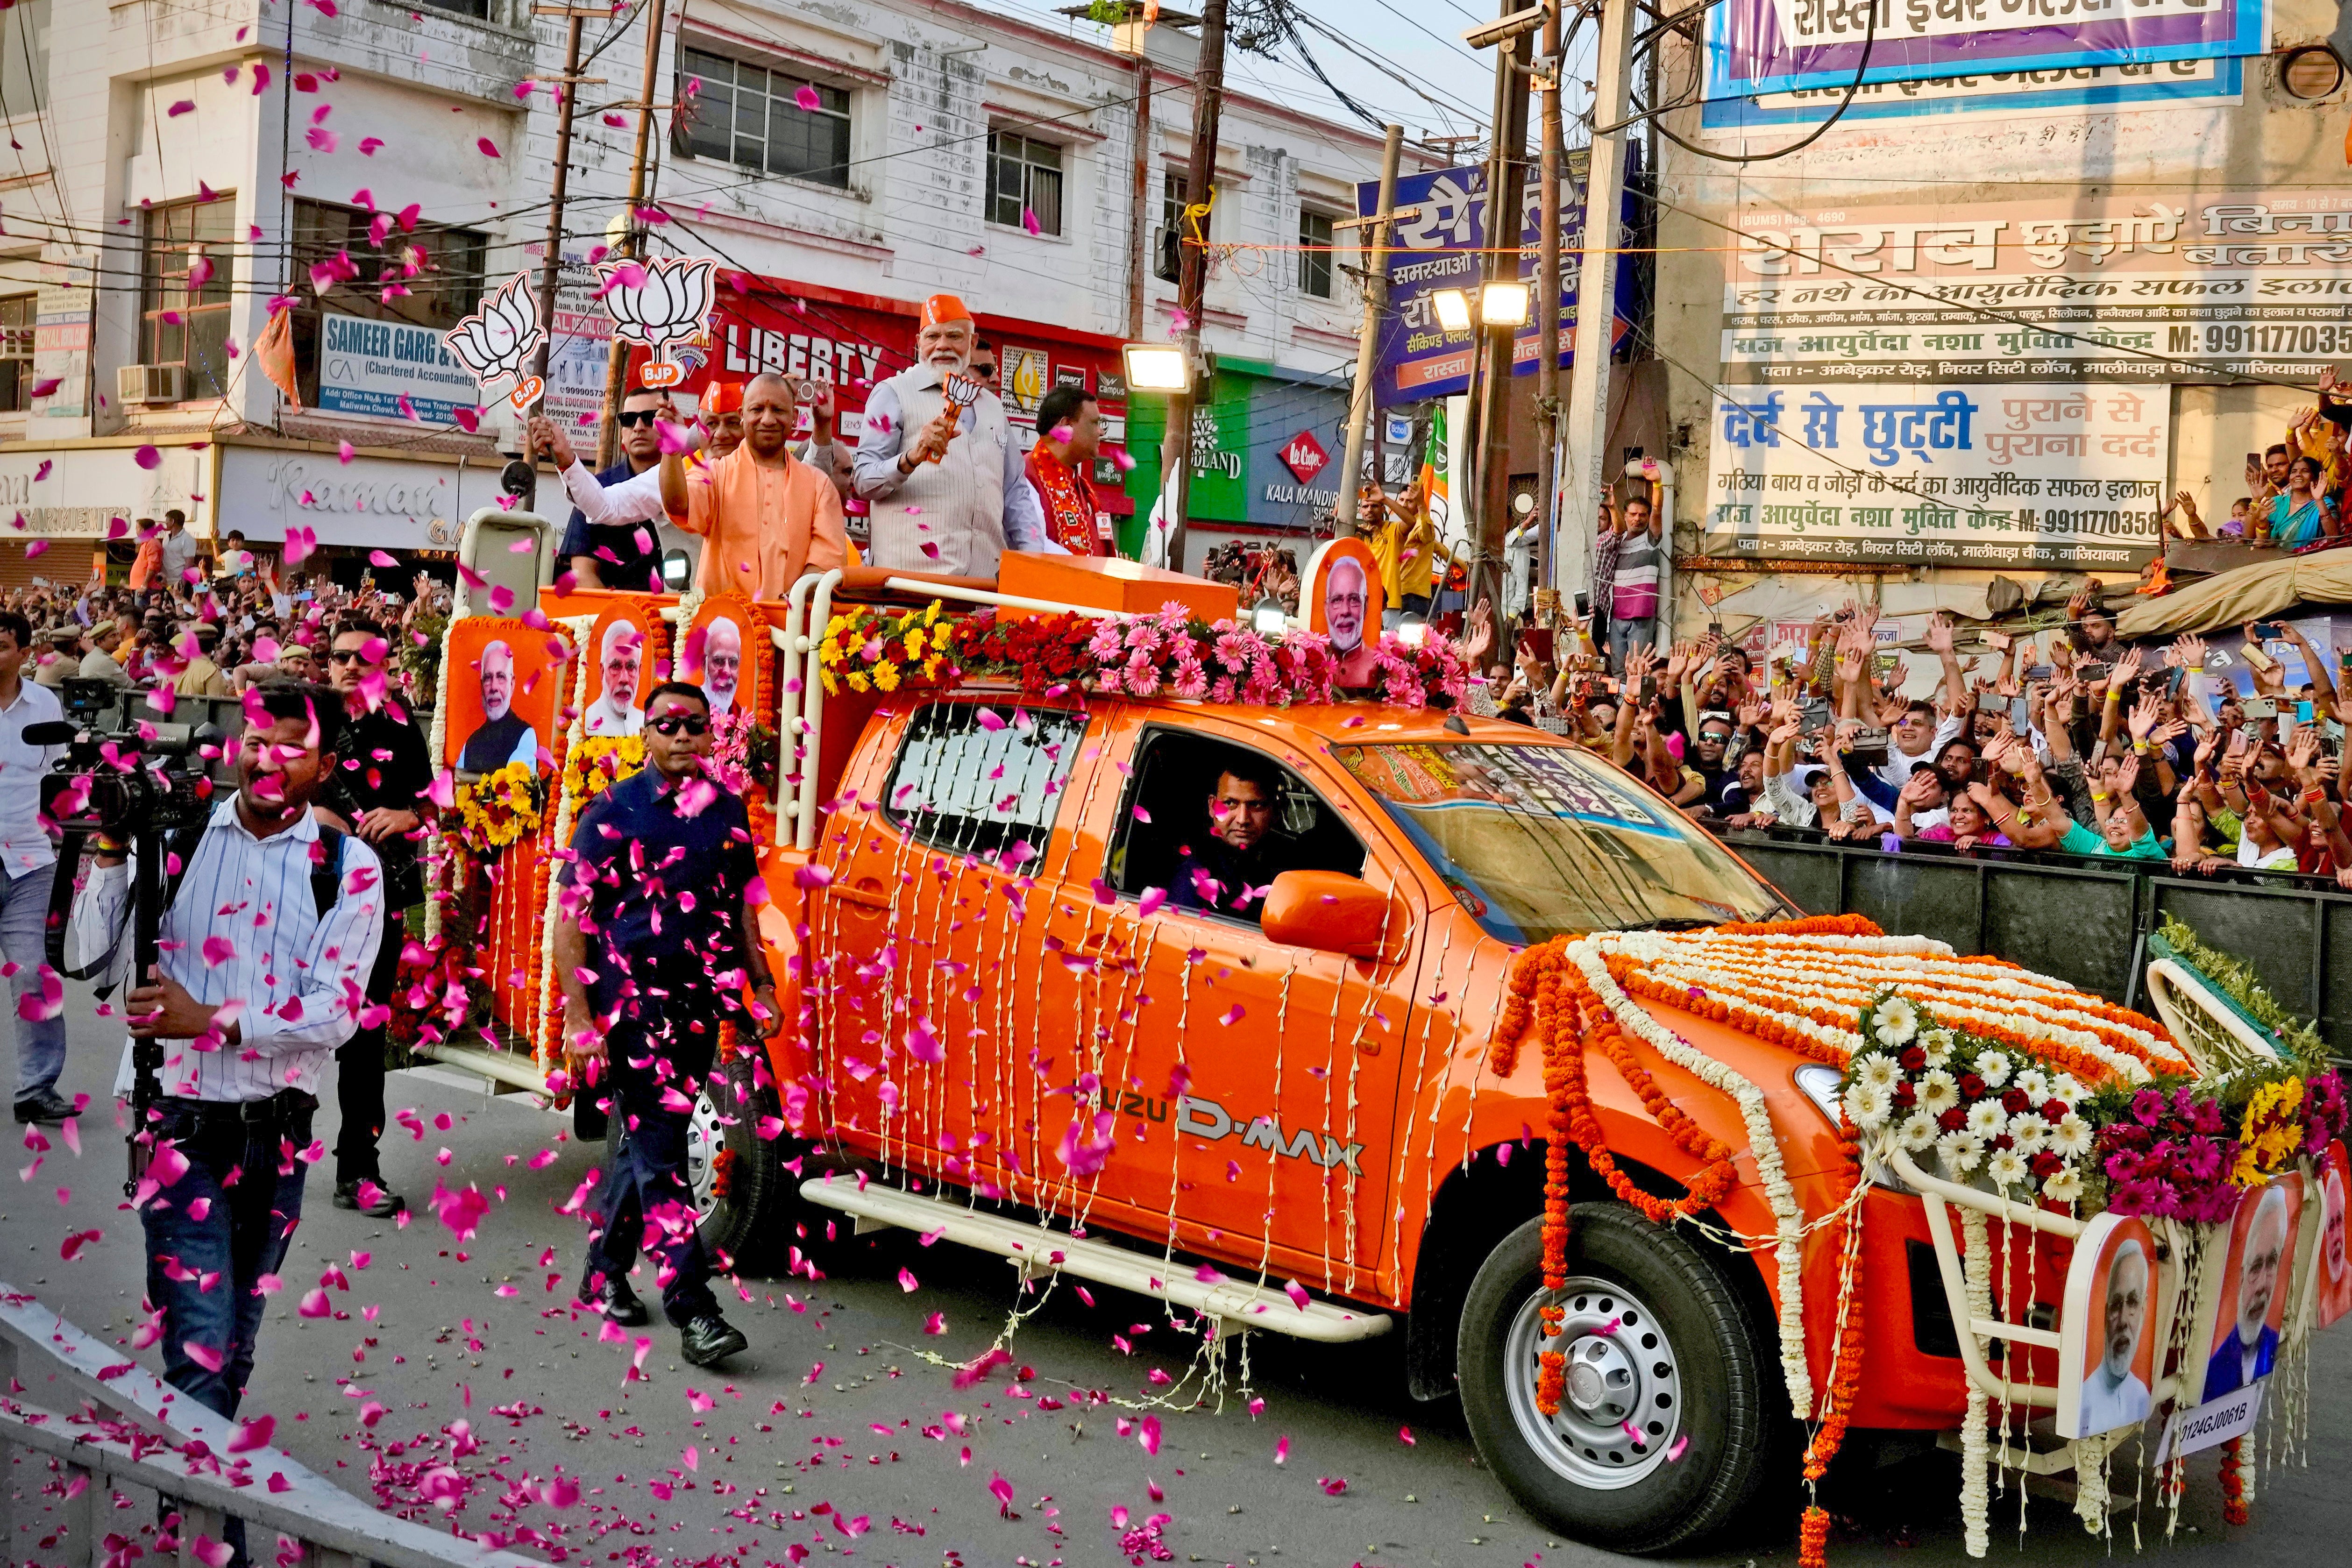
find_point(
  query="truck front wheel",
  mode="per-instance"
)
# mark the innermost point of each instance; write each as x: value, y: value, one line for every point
x: 737, y: 1184
x: 1663, y: 1431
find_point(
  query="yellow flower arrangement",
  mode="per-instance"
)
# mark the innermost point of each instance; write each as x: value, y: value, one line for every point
x: 499, y: 808
x: 2271, y: 1134
x: 867, y: 650
x: 598, y: 763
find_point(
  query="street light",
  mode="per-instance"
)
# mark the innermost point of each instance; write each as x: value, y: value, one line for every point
x: 1452, y: 310
x: 1155, y: 367
x: 1269, y: 619
x: 1503, y: 303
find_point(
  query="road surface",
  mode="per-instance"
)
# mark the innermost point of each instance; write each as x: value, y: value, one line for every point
x: 843, y: 1417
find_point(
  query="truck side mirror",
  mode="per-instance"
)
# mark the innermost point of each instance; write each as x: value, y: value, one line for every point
x: 1326, y: 910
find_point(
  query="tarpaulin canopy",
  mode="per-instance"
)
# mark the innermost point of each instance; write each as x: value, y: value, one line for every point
x: 2250, y: 593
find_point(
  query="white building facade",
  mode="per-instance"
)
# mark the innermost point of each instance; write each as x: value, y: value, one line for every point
x: 371, y: 167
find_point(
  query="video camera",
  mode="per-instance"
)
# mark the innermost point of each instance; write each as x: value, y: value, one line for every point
x: 123, y: 776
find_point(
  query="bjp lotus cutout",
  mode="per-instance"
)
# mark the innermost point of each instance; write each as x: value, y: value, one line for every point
x: 496, y: 341
x: 659, y: 303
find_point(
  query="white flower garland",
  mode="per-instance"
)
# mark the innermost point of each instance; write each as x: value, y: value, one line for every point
x: 1976, y: 1457
x: 1779, y: 1195
x: 2091, y: 1482
x: 437, y: 854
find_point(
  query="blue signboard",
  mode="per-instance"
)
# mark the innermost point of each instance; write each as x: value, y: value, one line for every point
x: 1440, y: 246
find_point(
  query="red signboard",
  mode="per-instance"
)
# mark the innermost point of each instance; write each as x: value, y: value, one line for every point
x: 1304, y: 455
x: 852, y: 341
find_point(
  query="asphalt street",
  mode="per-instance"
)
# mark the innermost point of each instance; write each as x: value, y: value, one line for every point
x: 842, y: 1432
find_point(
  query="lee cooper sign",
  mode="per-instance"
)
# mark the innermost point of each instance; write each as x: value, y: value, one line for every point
x: 1304, y: 456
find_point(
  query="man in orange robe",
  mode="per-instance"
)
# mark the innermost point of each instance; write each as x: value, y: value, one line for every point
x: 764, y: 515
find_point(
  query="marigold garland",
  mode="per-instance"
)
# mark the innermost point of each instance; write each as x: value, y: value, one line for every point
x: 2234, y: 1482
x: 1813, y: 1537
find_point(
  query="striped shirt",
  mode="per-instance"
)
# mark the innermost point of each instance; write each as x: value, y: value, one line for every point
x: 301, y: 979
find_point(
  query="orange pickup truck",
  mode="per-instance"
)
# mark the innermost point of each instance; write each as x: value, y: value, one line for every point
x: 1514, y: 1066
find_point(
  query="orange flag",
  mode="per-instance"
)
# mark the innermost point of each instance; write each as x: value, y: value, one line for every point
x: 275, y: 351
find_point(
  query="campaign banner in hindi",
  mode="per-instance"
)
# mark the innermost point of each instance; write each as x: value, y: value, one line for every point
x: 1441, y: 247
x: 2052, y: 474
x: 2039, y: 91
x: 1783, y: 46
x: 2172, y: 286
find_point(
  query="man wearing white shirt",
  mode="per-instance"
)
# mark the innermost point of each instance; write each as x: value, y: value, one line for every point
x: 26, y: 858
x: 248, y: 1008
x: 621, y: 548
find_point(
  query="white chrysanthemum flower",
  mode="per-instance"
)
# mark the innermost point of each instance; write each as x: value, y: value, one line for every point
x: 1993, y: 1068
x: 1896, y: 1022
x: 1938, y: 1092
x: 2036, y: 1084
x: 1960, y: 1153
x: 1918, y: 1131
x: 1986, y: 1119
x: 1868, y: 1104
x: 2073, y: 1137
x: 1938, y: 1044
x: 2007, y: 1167
x: 2066, y: 1087
x: 2064, y: 1185
x: 1878, y: 1072
x: 2030, y: 1133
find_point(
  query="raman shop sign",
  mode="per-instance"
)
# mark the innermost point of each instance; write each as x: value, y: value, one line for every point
x: 377, y: 502
x: 2170, y: 287
x: 2055, y: 475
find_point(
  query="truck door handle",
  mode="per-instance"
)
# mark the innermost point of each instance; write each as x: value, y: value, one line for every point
x: 866, y: 891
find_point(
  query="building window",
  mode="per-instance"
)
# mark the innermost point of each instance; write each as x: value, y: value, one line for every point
x: 747, y: 114
x: 1024, y: 175
x: 1172, y: 187
x: 190, y: 261
x: 478, y: 9
x: 17, y: 354
x: 427, y: 277
x: 1315, y: 255
x: 25, y: 56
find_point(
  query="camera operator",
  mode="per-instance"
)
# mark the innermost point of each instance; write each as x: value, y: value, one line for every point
x: 380, y: 779
x: 247, y: 1007
x: 26, y: 854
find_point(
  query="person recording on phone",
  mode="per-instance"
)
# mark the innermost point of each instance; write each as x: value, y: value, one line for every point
x: 248, y: 1008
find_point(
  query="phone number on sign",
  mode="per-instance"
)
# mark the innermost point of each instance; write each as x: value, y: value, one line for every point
x: 2283, y: 338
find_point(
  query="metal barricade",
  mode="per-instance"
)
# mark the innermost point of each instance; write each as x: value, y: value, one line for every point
x: 2084, y: 919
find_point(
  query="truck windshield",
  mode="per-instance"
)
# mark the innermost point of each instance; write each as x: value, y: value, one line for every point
x: 1538, y: 840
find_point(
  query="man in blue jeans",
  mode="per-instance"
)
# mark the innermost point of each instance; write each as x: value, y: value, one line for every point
x: 648, y: 976
x: 27, y: 865
x: 244, y: 1033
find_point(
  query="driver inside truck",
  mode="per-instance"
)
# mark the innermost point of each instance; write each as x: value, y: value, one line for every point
x: 1228, y: 868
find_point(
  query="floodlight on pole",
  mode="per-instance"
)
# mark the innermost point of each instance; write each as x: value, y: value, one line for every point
x: 1452, y: 309
x: 1503, y: 303
x: 1155, y: 367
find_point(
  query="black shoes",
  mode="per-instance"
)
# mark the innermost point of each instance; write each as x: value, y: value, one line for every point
x: 710, y: 1340
x: 48, y: 1105
x: 614, y: 1300
x: 384, y: 1205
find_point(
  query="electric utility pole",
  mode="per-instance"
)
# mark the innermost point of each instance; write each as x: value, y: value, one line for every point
x: 1362, y: 407
x: 1506, y: 189
x: 1590, y: 463
x: 551, y: 267
x: 616, y: 364
x: 1192, y: 274
x: 1546, y: 302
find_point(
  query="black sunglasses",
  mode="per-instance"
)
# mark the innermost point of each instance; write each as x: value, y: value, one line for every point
x: 671, y: 723
x: 349, y: 656
x: 627, y: 419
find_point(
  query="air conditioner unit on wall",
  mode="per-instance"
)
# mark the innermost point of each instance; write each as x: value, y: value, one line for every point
x: 151, y: 383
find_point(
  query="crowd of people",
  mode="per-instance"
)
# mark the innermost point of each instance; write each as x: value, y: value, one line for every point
x: 2067, y: 741
x: 2297, y: 489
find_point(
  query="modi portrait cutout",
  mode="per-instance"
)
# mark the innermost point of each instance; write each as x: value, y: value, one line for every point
x: 621, y: 655
x: 503, y: 682
x: 2110, y: 1314
x: 1342, y: 599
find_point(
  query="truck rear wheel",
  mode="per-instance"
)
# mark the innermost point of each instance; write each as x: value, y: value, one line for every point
x: 737, y: 1183
x: 1663, y: 1432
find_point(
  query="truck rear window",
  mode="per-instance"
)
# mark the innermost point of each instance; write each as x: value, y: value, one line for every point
x: 982, y: 777
x: 1538, y: 840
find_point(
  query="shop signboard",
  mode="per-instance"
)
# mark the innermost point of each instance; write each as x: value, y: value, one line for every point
x: 1776, y: 45
x: 61, y: 335
x: 382, y: 503
x: 76, y: 493
x: 2055, y: 475
x: 1255, y: 450
x: 2166, y: 287
x: 1441, y: 246
x: 366, y: 367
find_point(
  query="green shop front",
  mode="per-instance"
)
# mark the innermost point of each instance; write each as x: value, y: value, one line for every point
x: 1266, y: 449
